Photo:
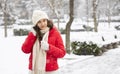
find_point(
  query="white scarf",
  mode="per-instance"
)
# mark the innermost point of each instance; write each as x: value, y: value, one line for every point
x: 39, y: 57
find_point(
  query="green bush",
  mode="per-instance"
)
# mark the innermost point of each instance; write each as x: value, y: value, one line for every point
x: 20, y: 32
x: 84, y: 48
x: 62, y: 31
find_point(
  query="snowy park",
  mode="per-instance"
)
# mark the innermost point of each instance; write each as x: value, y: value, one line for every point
x: 90, y: 21
x: 14, y: 61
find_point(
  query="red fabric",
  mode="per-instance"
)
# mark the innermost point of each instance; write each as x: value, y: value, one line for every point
x: 56, y: 49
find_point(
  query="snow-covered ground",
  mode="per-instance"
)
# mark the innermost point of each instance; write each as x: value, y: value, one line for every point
x: 14, y: 61
x: 108, y: 63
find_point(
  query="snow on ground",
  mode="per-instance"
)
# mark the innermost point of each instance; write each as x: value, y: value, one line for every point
x: 108, y: 63
x: 14, y: 61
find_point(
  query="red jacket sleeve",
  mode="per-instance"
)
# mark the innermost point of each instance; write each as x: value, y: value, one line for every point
x: 57, y: 50
x: 28, y: 43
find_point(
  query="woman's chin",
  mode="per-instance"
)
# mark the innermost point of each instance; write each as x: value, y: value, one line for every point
x: 43, y: 28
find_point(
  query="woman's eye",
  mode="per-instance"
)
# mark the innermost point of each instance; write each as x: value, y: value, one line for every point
x: 39, y: 22
x: 44, y: 20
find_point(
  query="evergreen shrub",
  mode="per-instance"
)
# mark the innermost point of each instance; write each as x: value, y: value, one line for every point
x: 84, y: 48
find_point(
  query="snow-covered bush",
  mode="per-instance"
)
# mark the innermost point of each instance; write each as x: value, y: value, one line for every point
x: 62, y: 31
x: 22, y: 27
x: 84, y: 48
x: 20, y: 32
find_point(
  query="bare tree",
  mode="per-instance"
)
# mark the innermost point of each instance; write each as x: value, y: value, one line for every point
x: 110, y: 7
x: 71, y: 14
x: 95, y: 4
x: 105, y: 9
x: 3, y: 6
x: 56, y: 11
x: 87, y: 11
x: 109, y: 13
x: 6, y: 7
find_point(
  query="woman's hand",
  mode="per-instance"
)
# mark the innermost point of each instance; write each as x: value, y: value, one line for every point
x: 44, y: 45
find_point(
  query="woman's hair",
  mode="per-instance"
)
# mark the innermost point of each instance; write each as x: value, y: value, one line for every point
x: 37, y: 29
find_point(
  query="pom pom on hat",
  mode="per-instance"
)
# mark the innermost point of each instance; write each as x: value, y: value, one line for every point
x: 38, y: 15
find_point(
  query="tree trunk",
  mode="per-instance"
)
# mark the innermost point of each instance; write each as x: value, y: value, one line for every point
x: 87, y: 12
x: 58, y: 23
x: 109, y: 14
x: 71, y: 6
x: 94, y: 15
x: 5, y: 20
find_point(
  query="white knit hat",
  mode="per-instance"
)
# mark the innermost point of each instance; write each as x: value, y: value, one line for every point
x: 38, y: 15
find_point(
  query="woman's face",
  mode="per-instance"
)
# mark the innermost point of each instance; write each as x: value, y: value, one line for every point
x: 42, y: 24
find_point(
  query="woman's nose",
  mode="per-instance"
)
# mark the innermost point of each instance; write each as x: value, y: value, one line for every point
x: 42, y: 23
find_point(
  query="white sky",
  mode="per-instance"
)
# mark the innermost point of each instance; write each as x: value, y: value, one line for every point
x: 14, y: 61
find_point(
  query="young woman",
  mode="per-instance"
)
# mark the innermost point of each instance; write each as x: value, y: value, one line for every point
x: 45, y: 45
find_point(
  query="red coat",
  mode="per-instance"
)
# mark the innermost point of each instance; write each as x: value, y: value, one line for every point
x: 56, y: 49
